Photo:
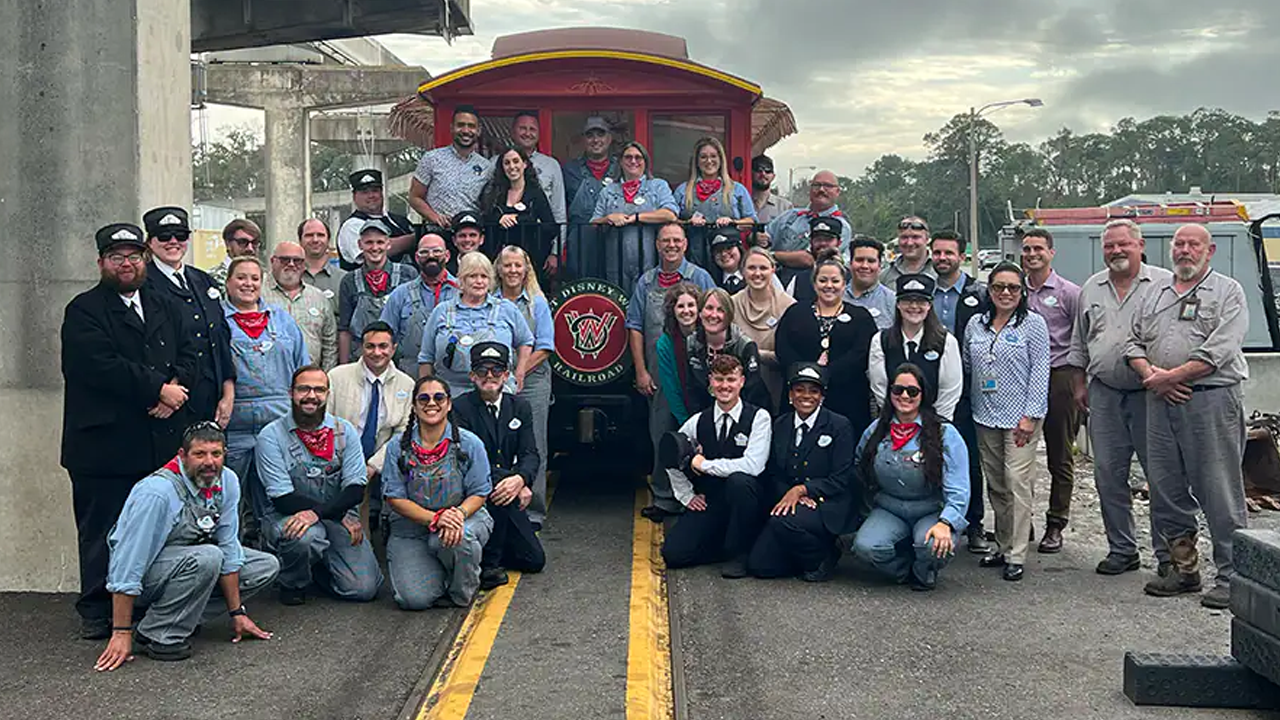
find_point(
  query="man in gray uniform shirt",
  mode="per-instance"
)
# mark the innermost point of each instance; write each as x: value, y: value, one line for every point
x: 1186, y: 345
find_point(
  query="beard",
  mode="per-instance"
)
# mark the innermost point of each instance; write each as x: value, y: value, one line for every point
x: 115, y: 283
x: 760, y: 186
x: 431, y: 269
x: 1119, y: 264
x: 309, y: 419
x: 204, y: 476
x: 1186, y: 271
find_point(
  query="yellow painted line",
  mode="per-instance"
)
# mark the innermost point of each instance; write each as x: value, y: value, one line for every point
x: 455, y: 685
x: 686, y: 65
x: 649, y: 695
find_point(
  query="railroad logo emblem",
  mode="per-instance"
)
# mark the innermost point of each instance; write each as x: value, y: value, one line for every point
x: 591, y: 337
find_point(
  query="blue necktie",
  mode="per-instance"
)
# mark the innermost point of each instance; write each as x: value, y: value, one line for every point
x: 370, y: 434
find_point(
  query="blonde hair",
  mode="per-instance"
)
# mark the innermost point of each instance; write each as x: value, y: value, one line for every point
x: 474, y: 263
x: 762, y: 252
x: 726, y: 182
x: 531, y: 286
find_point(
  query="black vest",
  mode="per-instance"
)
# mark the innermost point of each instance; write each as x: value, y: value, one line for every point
x: 895, y: 354
x: 398, y: 224
x: 708, y: 432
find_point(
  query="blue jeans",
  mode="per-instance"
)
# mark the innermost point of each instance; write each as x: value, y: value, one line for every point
x: 881, y: 541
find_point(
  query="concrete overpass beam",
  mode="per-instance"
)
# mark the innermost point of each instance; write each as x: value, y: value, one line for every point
x: 312, y: 86
x: 96, y: 129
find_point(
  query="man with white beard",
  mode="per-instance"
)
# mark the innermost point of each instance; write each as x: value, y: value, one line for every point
x: 1186, y: 345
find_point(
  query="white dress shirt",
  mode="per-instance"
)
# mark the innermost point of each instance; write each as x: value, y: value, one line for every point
x: 751, y: 463
x: 171, y: 273
x: 134, y: 302
x: 950, y: 373
x: 367, y: 394
x: 807, y: 422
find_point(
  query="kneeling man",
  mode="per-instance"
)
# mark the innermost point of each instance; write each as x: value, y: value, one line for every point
x: 811, y: 470
x: 312, y: 475
x: 721, y: 491
x: 504, y: 422
x: 174, y: 548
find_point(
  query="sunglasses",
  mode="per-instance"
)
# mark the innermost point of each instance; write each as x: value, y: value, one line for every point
x: 179, y: 236
x: 911, y: 391
x: 1001, y: 288
x: 289, y: 260
x: 912, y: 225
x: 489, y: 371
x: 428, y: 398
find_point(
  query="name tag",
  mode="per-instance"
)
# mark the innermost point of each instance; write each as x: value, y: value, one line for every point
x: 988, y: 384
x: 971, y: 301
x: 1189, y: 309
x: 824, y: 440
x: 740, y: 440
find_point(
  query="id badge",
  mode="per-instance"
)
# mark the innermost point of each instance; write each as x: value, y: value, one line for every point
x: 988, y: 384
x: 1189, y: 309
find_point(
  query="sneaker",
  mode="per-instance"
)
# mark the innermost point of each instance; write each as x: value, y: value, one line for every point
x: 977, y: 541
x: 95, y: 628
x: 1219, y: 598
x: 491, y: 578
x: 164, y: 652
x: 293, y: 596
x: 1115, y: 564
x: 735, y: 568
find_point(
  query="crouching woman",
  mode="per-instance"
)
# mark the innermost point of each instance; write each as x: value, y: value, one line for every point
x: 435, y: 482
x: 915, y: 469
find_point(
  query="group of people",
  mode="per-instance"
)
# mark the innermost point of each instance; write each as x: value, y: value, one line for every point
x: 805, y: 397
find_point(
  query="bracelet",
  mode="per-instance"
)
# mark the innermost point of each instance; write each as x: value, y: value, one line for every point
x: 435, y: 521
x: 238, y: 612
x: 126, y: 628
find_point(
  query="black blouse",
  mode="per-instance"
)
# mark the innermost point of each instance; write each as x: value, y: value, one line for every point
x: 799, y: 339
x: 536, y: 231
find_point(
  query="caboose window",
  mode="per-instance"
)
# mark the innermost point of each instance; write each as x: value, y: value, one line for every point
x: 566, y: 131
x: 673, y: 137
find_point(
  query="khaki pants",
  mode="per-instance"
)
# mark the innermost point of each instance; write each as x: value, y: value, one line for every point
x: 1007, y: 469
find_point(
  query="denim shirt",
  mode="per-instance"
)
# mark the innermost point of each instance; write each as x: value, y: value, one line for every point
x: 276, y: 463
x: 640, y: 297
x: 148, y: 517
x: 509, y: 328
x: 900, y: 473
x: 400, y: 306
x: 475, y: 472
x: 264, y: 368
x: 537, y: 312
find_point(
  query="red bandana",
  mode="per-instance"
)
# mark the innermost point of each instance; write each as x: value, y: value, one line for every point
x: 431, y: 456
x: 668, y: 279
x: 377, y: 280
x: 707, y: 188
x: 319, y: 442
x: 807, y: 212
x: 439, y: 287
x: 901, y: 433
x: 598, y: 167
x: 630, y: 189
x: 252, y: 323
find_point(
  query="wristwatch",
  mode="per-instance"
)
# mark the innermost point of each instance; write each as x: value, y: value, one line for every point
x: 237, y: 612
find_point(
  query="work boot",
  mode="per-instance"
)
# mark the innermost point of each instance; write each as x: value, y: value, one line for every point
x: 164, y: 652
x: 735, y: 568
x: 293, y: 596
x: 491, y: 578
x: 1184, y: 575
x: 95, y: 628
x: 1219, y: 598
x: 1052, y: 540
x: 1116, y: 564
x: 825, y: 569
x: 977, y: 540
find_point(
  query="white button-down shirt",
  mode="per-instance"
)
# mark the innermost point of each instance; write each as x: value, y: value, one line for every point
x: 806, y: 423
x: 134, y: 302
x: 369, y: 379
x: 171, y: 273
x: 751, y: 463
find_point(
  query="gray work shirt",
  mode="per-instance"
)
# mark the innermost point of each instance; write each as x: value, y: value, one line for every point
x: 889, y: 275
x: 1102, y: 326
x: 772, y: 207
x: 1165, y: 334
x: 880, y: 301
x: 453, y: 182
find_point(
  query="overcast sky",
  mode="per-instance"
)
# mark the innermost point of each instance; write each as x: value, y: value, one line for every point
x: 868, y: 77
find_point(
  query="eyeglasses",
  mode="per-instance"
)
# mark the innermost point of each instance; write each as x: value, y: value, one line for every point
x: 428, y: 398
x: 763, y: 171
x: 912, y: 225
x: 247, y: 242
x: 911, y: 391
x: 633, y: 158
x: 117, y: 259
x: 431, y: 252
x: 310, y: 389
x: 489, y: 371
x: 823, y: 186
x: 1002, y: 288
x: 289, y: 260
x: 173, y: 236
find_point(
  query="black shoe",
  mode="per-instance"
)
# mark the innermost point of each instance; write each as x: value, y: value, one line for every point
x: 923, y: 584
x: 993, y: 560
x: 735, y: 568
x: 164, y: 652
x: 1012, y: 572
x: 95, y: 628
x: 1052, y: 540
x: 655, y: 513
x: 1163, y: 569
x: 978, y: 543
x: 293, y: 596
x: 1031, y: 536
x: 825, y: 569
x: 491, y: 578
x: 1114, y: 564
x: 537, y: 526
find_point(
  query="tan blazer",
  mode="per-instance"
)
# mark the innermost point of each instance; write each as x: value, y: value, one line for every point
x: 346, y: 398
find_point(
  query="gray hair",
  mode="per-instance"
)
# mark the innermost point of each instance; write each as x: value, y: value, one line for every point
x: 1135, y: 230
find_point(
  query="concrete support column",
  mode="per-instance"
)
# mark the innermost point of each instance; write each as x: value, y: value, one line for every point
x: 96, y: 128
x: 288, y: 169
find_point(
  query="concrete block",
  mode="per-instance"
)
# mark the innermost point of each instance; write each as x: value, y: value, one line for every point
x: 1256, y: 604
x: 1256, y: 555
x: 1196, y: 681
x: 1257, y: 650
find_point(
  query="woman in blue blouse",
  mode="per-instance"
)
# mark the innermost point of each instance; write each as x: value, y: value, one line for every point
x: 634, y: 208
x: 711, y: 197
x: 520, y: 286
x: 915, y: 469
x: 475, y: 315
x: 1006, y: 357
x: 435, y: 482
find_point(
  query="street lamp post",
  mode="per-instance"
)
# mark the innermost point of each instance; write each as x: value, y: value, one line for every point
x: 974, y: 114
x: 791, y: 177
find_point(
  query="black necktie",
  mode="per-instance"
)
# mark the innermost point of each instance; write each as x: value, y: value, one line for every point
x: 804, y: 433
x: 911, y: 350
x: 182, y: 282
x: 724, y: 428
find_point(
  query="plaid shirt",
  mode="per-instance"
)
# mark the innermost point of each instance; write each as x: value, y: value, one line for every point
x: 312, y: 312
